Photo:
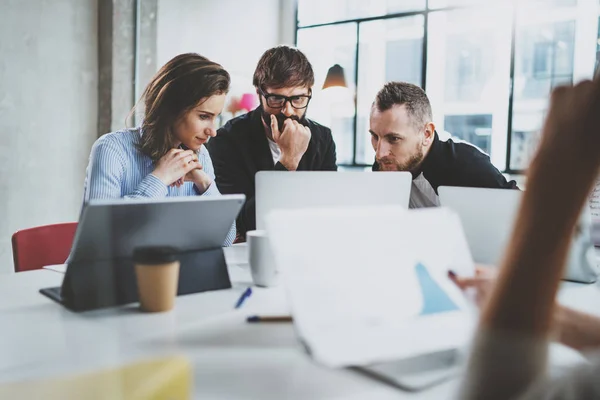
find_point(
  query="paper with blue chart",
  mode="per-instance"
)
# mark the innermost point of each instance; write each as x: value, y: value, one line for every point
x: 370, y: 284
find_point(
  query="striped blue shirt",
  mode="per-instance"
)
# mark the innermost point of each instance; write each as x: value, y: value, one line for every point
x: 118, y: 169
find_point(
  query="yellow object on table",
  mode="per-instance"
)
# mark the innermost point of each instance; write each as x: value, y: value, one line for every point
x: 165, y: 378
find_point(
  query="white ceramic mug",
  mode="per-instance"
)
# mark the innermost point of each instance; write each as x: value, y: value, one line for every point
x: 262, y: 262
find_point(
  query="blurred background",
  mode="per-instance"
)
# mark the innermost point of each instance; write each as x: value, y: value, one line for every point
x: 71, y: 70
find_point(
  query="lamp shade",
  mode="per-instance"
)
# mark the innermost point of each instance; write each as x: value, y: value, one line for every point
x: 335, y: 77
x: 248, y: 102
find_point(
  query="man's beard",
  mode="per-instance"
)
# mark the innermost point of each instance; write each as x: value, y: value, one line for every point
x: 266, y: 117
x: 388, y: 164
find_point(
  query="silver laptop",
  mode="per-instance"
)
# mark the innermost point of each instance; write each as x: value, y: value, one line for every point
x: 301, y: 189
x: 488, y: 215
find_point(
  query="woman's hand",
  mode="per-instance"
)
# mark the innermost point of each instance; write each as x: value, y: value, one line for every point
x: 175, y: 165
x: 482, y: 283
x: 571, y: 328
x: 200, y: 179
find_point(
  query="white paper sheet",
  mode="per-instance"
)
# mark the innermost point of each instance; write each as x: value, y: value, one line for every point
x: 352, y: 279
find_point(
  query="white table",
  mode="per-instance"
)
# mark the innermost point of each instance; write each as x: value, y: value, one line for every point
x: 231, y: 359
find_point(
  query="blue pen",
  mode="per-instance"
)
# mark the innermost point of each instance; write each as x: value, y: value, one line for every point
x: 243, y: 297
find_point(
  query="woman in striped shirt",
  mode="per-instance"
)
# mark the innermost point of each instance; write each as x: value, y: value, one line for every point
x: 165, y: 156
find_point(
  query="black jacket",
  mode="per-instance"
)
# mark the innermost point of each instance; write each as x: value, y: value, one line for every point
x: 450, y: 163
x: 241, y: 149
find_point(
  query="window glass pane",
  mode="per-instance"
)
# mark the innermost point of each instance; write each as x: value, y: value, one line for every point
x: 472, y: 128
x: 468, y: 76
x: 597, y: 65
x: 544, y: 59
x: 455, y: 3
x: 490, y: 3
x: 551, y: 3
x: 398, y: 57
x: 311, y: 12
x: 333, y: 107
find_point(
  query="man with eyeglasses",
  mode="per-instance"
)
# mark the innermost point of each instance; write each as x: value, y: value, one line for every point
x: 276, y: 135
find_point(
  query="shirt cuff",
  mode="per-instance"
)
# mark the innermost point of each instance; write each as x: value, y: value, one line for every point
x: 212, y: 190
x: 151, y: 186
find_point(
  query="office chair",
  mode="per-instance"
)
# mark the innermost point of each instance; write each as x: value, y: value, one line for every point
x: 42, y: 245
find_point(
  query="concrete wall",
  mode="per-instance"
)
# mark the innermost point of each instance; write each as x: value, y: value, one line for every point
x: 116, y: 63
x: 233, y: 33
x: 48, y: 111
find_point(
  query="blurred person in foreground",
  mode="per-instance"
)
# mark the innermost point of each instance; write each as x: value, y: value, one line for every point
x: 519, y: 312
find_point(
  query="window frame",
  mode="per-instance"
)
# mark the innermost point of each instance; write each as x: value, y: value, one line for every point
x: 425, y: 12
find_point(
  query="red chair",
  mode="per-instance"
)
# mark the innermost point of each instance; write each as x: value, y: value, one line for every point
x: 43, y: 245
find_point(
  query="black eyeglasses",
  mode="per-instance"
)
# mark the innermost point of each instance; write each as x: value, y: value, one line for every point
x: 278, y: 101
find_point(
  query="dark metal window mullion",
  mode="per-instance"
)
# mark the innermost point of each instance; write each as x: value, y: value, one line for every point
x: 425, y: 39
x: 355, y: 122
x: 512, y: 90
x: 296, y: 5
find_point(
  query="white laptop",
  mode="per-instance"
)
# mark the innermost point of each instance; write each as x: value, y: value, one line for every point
x: 368, y: 288
x: 488, y: 216
x: 301, y: 189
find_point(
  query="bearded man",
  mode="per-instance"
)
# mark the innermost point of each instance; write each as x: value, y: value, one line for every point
x: 276, y: 136
x: 404, y: 139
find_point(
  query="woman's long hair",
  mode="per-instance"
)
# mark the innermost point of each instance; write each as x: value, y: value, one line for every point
x: 178, y: 87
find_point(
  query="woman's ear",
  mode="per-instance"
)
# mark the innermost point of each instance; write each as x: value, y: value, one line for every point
x: 429, y: 134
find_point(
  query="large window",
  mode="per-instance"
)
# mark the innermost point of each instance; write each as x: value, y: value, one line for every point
x: 487, y: 66
x: 334, y: 107
x: 389, y: 50
x: 544, y: 59
x: 468, y: 75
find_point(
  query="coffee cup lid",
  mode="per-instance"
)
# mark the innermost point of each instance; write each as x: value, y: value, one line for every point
x: 155, y: 254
